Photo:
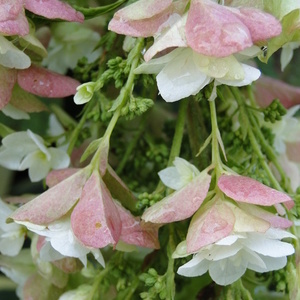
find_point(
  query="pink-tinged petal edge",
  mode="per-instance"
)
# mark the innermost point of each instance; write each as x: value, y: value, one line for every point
x: 54, y: 9
x: 45, y: 83
x: 8, y: 79
x: 54, y: 203
x: 181, y: 204
x: 213, y: 29
x: 136, y: 233
x: 245, y: 189
x: 210, y: 224
x: 95, y: 219
x: 141, y: 19
x: 56, y: 176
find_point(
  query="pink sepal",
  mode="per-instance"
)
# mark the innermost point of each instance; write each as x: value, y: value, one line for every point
x: 245, y: 189
x: 211, y: 223
x: 54, y: 203
x: 54, y: 9
x: 45, y: 83
x: 95, y: 219
x: 136, y: 233
x: 181, y: 204
x: 56, y: 176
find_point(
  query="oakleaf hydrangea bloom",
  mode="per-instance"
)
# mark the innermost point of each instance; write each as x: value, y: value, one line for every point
x: 12, y: 235
x: 27, y: 150
x: 78, y: 215
x: 208, y: 34
x: 223, y: 235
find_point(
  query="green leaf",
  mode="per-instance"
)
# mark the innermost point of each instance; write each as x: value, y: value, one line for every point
x: 92, y: 147
x: 4, y: 130
x: 92, y: 12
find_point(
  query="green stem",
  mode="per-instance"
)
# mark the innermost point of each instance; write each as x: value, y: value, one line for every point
x: 179, y: 129
x: 170, y: 275
x: 79, y: 126
x: 97, y: 282
x: 216, y: 160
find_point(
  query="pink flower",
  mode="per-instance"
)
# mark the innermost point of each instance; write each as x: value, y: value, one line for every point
x: 35, y: 80
x: 208, y: 28
x: 78, y: 215
x: 14, y: 22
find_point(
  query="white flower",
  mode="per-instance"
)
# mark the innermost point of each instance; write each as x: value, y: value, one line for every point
x: 12, y: 235
x: 184, y: 72
x: 227, y: 260
x: 26, y: 150
x: 84, y: 92
x: 61, y: 242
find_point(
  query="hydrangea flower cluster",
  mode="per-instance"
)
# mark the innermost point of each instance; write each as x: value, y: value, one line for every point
x: 129, y: 195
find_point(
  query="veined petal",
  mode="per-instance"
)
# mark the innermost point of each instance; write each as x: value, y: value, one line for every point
x: 211, y: 223
x: 181, y: 204
x: 180, y: 78
x: 213, y: 29
x: 246, y: 189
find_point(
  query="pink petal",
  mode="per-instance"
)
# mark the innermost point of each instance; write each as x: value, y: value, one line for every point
x: 95, y: 219
x: 245, y: 189
x: 142, y: 18
x: 54, y: 9
x: 45, y: 83
x: 267, y: 89
x: 210, y: 224
x: 8, y: 79
x: 181, y: 204
x: 261, y: 25
x: 56, y: 176
x: 54, y: 203
x: 12, y: 18
x: 213, y: 29
x: 134, y: 233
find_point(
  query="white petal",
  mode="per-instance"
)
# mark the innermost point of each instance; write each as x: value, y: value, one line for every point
x: 222, y: 252
x: 228, y: 240
x: 39, y: 142
x: 10, y: 158
x: 251, y: 74
x: 181, y: 78
x: 271, y: 263
x: 171, y: 178
x: 48, y: 253
x: 286, y: 57
x: 227, y: 271
x: 268, y: 247
x: 12, y: 246
x: 194, y: 268
x: 154, y: 66
x: 37, y: 164
x: 98, y: 256
x: 59, y: 158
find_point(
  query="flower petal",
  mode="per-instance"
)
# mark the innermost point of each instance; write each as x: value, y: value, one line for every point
x: 211, y: 223
x: 213, y: 29
x: 95, y: 219
x: 54, y: 9
x: 245, y: 189
x: 44, y: 83
x: 8, y: 79
x: 181, y: 204
x: 180, y: 78
x: 54, y: 203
